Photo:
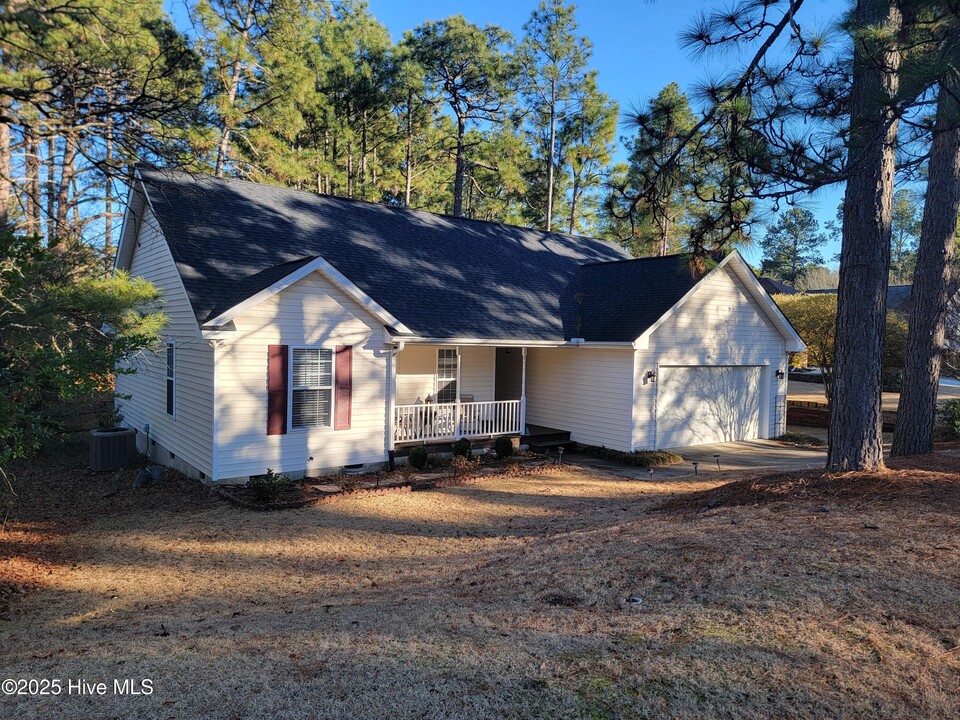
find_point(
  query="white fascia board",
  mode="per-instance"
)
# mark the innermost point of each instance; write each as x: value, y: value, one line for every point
x: 510, y: 342
x: 335, y: 276
x: 128, y: 231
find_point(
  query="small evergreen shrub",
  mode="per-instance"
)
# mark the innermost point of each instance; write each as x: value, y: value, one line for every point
x: 437, y: 461
x: 462, y: 448
x: 268, y: 488
x: 503, y: 447
x: 950, y: 414
x: 639, y: 458
x: 418, y: 457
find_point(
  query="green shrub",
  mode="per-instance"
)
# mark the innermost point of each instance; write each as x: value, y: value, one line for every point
x: 640, y: 458
x: 462, y: 465
x: 462, y: 448
x: 950, y: 414
x: 437, y: 461
x: 503, y: 447
x: 801, y: 439
x: 418, y: 457
x: 268, y: 488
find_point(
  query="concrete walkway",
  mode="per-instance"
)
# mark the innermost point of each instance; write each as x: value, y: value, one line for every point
x: 748, y: 455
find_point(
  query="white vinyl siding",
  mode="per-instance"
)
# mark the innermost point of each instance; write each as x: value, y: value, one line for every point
x: 188, y: 433
x: 417, y: 373
x: 584, y: 390
x: 309, y: 313
x: 719, y: 325
x: 311, y: 388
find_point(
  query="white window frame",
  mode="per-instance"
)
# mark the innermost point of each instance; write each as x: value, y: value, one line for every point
x: 291, y: 388
x: 453, y: 379
x: 170, y: 378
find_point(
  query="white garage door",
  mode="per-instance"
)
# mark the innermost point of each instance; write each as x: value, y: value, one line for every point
x: 707, y: 404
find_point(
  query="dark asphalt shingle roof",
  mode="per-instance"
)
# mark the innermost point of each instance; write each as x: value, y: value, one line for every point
x: 775, y: 287
x: 618, y: 301
x: 441, y: 276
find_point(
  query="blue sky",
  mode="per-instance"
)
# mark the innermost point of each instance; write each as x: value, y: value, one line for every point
x: 636, y: 49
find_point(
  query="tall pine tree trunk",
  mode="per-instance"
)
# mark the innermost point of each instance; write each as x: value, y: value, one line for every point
x: 461, y: 169
x: 855, y: 433
x: 67, y: 172
x: 916, y: 411
x: 50, y: 188
x: 574, y: 204
x: 32, y: 180
x: 551, y: 150
x: 408, y: 150
x: 6, y: 184
x: 108, y: 198
x: 233, y: 87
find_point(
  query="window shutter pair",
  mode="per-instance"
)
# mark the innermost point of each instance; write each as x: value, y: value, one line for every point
x: 278, y: 390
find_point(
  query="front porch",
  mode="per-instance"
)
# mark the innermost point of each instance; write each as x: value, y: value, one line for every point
x: 442, y: 393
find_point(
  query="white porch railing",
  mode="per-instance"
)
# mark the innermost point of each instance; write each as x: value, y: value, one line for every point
x: 433, y: 421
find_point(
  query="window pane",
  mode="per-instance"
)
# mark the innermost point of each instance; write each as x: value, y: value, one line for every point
x: 311, y: 408
x: 169, y: 397
x: 326, y: 368
x: 312, y: 367
x: 170, y: 360
x: 305, y: 367
x: 447, y: 392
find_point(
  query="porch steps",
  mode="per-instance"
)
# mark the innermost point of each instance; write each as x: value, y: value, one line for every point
x: 543, y: 439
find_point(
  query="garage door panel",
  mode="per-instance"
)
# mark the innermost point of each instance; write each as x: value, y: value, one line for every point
x: 699, y: 405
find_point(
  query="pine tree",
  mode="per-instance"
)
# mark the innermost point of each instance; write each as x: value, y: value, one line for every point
x: 587, y: 141
x: 466, y: 68
x: 792, y: 245
x: 552, y: 70
x: 904, y: 235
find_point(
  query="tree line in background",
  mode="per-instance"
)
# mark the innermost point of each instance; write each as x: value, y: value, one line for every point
x: 468, y: 120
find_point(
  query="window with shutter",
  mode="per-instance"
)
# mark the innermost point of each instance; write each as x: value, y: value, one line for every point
x: 311, y: 387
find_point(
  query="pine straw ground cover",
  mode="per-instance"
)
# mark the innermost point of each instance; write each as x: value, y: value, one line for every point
x: 789, y: 597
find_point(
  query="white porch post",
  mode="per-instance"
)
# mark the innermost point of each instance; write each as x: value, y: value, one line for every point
x: 391, y: 399
x: 456, y: 410
x: 523, y: 393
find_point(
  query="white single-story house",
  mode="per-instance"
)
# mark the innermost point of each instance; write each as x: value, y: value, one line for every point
x: 307, y: 333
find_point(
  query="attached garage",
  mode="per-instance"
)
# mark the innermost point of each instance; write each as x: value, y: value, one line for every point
x: 703, y: 404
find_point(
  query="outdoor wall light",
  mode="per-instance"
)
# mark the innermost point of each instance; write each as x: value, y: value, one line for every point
x: 781, y: 374
x: 651, y: 376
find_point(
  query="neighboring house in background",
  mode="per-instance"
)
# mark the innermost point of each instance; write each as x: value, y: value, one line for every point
x: 898, y: 297
x: 308, y: 332
x: 775, y: 287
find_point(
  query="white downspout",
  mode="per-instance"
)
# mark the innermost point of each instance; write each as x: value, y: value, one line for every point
x: 392, y: 398
x: 523, y: 392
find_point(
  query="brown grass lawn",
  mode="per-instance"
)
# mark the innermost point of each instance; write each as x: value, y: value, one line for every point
x: 791, y: 597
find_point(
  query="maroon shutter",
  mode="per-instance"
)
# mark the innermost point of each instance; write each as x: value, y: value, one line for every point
x: 344, y: 379
x: 277, y: 389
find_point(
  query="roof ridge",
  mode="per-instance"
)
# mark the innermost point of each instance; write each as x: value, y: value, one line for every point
x: 373, y: 203
x: 637, y: 259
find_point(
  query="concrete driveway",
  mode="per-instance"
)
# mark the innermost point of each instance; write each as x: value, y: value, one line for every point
x: 748, y: 455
